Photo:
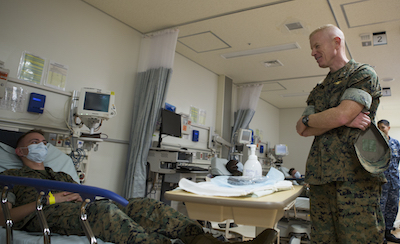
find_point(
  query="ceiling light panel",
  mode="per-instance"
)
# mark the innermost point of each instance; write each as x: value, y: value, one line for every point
x: 298, y: 94
x: 262, y: 50
x: 272, y: 86
x: 203, y: 42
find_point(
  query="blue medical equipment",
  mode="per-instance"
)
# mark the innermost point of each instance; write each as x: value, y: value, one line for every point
x: 195, y: 135
x: 36, y: 103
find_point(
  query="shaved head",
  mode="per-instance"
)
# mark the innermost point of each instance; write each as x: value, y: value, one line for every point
x: 328, y: 47
x: 331, y: 31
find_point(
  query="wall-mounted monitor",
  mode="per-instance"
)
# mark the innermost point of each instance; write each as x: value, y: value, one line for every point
x: 96, y: 103
x: 244, y: 136
x: 281, y: 150
x: 170, y: 125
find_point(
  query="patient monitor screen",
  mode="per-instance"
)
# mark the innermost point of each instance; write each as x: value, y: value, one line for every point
x: 246, y: 135
x: 96, y: 102
x: 281, y: 150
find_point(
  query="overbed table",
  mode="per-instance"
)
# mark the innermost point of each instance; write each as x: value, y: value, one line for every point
x: 263, y: 211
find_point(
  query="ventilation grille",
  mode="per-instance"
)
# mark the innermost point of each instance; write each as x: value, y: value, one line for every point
x: 365, y: 37
x: 273, y: 63
x: 294, y: 26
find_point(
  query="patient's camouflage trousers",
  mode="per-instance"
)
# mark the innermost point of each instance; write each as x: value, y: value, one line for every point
x: 346, y: 213
x: 144, y: 220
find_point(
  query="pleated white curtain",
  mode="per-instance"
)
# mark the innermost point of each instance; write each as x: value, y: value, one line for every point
x: 157, y: 53
x: 248, y: 96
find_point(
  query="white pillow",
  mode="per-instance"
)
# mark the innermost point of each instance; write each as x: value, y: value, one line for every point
x: 55, y: 159
x: 218, y: 166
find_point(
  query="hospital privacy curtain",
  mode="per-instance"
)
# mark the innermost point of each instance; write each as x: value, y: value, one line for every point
x: 248, y: 97
x: 156, y: 60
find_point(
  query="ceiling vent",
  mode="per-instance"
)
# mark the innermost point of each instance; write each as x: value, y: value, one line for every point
x: 294, y: 26
x: 269, y: 49
x: 365, y: 36
x: 273, y: 63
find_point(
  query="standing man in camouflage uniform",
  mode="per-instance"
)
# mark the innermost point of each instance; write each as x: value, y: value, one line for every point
x: 143, y: 220
x: 344, y: 197
x: 390, y: 190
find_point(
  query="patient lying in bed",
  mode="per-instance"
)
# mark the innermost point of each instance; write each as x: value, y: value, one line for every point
x: 142, y: 221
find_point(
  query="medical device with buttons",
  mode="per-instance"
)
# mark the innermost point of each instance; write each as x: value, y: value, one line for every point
x: 167, y: 161
x: 91, y: 107
x: 94, y: 105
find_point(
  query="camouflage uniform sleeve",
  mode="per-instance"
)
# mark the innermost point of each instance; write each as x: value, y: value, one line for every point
x: 11, y: 198
x: 357, y: 95
x: 366, y: 79
x: 310, y: 109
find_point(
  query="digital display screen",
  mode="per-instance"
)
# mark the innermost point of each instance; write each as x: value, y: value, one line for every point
x: 280, y: 150
x: 246, y: 135
x: 36, y: 99
x: 96, y: 102
x: 170, y: 123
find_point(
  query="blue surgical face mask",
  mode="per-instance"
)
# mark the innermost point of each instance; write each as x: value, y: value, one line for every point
x: 37, y: 152
x: 297, y: 175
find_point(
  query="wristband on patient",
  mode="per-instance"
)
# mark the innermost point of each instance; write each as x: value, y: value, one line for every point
x: 52, y: 199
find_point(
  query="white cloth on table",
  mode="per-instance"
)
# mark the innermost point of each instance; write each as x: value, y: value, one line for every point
x: 219, y: 186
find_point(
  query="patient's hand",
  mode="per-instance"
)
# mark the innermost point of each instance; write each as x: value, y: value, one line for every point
x: 67, y: 197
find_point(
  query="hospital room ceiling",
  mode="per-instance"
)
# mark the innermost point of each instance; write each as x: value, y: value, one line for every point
x: 266, y: 41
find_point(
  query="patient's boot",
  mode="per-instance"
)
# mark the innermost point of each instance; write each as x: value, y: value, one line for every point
x: 268, y: 236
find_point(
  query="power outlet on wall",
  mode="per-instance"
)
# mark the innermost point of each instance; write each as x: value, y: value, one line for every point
x: 52, y: 138
x: 59, y: 141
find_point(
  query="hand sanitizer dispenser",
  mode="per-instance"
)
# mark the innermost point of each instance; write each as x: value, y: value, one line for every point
x: 252, y: 167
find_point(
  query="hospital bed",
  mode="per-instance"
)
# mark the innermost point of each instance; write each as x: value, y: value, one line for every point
x: 58, y: 161
x: 295, y: 226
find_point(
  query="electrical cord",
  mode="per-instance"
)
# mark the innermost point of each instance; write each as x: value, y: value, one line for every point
x: 77, y: 157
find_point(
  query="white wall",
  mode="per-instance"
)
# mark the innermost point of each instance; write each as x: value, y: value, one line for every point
x: 279, y: 127
x: 266, y: 121
x: 298, y: 146
x: 395, y: 132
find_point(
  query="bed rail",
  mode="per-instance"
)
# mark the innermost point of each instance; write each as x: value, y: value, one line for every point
x: 88, y: 193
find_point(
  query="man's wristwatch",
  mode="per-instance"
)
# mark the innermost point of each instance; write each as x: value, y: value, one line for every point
x: 305, y: 120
